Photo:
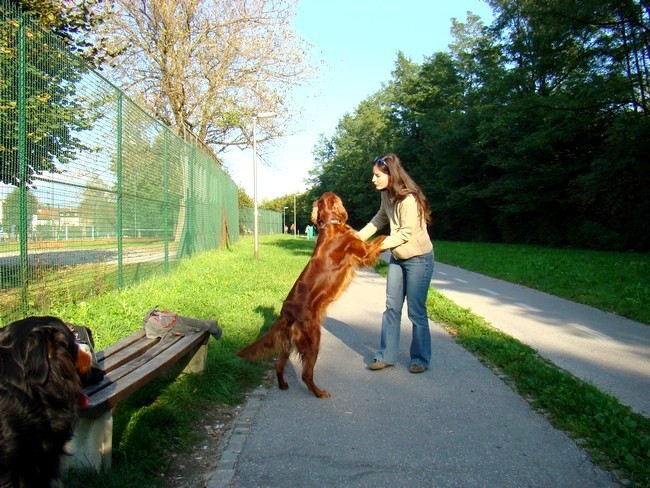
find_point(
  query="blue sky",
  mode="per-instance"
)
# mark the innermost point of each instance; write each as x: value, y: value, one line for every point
x: 358, y: 41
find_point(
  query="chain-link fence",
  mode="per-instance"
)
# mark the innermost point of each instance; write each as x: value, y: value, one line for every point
x: 94, y: 192
x: 268, y: 221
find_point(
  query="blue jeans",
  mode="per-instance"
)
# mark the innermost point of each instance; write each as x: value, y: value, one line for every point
x: 410, y: 279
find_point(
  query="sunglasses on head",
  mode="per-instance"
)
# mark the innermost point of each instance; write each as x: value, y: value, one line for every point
x: 380, y: 160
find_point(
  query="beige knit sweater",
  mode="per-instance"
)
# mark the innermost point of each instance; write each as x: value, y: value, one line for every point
x: 408, y: 232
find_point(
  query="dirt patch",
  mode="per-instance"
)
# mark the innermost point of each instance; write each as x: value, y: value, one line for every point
x: 194, y: 467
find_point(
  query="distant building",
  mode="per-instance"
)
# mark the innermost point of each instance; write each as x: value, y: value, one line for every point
x: 46, y: 216
x: 69, y: 217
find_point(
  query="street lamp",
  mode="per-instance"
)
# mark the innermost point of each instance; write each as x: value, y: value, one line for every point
x: 284, y: 225
x: 256, y: 244
x: 294, y: 216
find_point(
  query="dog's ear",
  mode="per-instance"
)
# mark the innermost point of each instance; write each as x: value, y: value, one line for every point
x: 37, y: 355
x: 314, y: 213
x: 322, y: 210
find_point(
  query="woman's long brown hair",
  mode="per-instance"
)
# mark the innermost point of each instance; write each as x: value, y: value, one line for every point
x: 401, y: 184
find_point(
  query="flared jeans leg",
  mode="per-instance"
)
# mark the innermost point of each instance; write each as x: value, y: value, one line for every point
x: 407, y: 279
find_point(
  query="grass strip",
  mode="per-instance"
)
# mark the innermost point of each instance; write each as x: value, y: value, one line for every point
x: 615, y: 436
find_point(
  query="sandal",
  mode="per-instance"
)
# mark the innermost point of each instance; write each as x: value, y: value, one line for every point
x: 417, y: 368
x: 378, y: 364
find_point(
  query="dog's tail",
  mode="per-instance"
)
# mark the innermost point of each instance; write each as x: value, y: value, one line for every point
x: 268, y: 344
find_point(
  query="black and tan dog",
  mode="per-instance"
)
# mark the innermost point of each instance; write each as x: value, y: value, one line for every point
x: 41, y: 366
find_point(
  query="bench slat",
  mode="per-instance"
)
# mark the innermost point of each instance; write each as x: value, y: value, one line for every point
x: 121, y: 344
x: 128, y: 365
x: 125, y: 379
x: 124, y: 350
x: 130, y: 353
x: 126, y: 360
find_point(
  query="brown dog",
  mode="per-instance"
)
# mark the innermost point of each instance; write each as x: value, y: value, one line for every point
x: 329, y: 271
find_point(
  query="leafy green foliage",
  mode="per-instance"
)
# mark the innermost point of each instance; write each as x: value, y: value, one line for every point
x: 39, y: 76
x: 358, y: 140
x: 531, y: 130
x: 11, y: 209
x: 244, y: 199
x: 69, y: 21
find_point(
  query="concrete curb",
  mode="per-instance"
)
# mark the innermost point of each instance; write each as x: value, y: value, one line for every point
x: 234, y: 442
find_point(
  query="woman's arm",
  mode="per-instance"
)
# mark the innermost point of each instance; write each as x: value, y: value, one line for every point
x: 378, y: 222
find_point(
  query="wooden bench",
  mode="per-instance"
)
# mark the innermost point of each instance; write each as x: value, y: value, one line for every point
x: 128, y: 364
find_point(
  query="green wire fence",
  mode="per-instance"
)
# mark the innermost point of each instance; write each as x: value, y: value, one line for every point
x: 94, y: 193
x: 268, y: 221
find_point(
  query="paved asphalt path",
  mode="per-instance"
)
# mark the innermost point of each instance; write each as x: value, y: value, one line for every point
x: 456, y: 425
x: 611, y: 352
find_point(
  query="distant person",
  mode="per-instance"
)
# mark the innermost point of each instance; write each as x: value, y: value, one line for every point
x: 405, y: 210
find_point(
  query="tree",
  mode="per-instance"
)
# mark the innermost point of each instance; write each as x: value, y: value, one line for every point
x: 71, y: 22
x: 206, y: 66
x: 38, y: 88
x: 98, y: 207
x: 344, y: 163
x: 534, y: 129
x: 244, y: 199
x: 577, y: 75
x: 11, y: 210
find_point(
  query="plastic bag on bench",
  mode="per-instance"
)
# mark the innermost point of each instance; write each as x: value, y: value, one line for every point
x: 161, y: 323
x: 84, y: 337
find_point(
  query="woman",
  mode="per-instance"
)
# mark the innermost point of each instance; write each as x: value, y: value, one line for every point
x: 405, y: 208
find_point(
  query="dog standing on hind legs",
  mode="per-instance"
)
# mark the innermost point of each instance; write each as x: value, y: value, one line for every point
x: 337, y: 253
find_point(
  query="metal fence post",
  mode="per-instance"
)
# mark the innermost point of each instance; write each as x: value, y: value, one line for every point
x: 22, y: 165
x: 166, y: 196
x: 120, y: 227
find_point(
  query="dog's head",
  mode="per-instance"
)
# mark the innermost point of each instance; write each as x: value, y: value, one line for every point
x: 37, y: 351
x: 328, y: 209
x: 40, y: 398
